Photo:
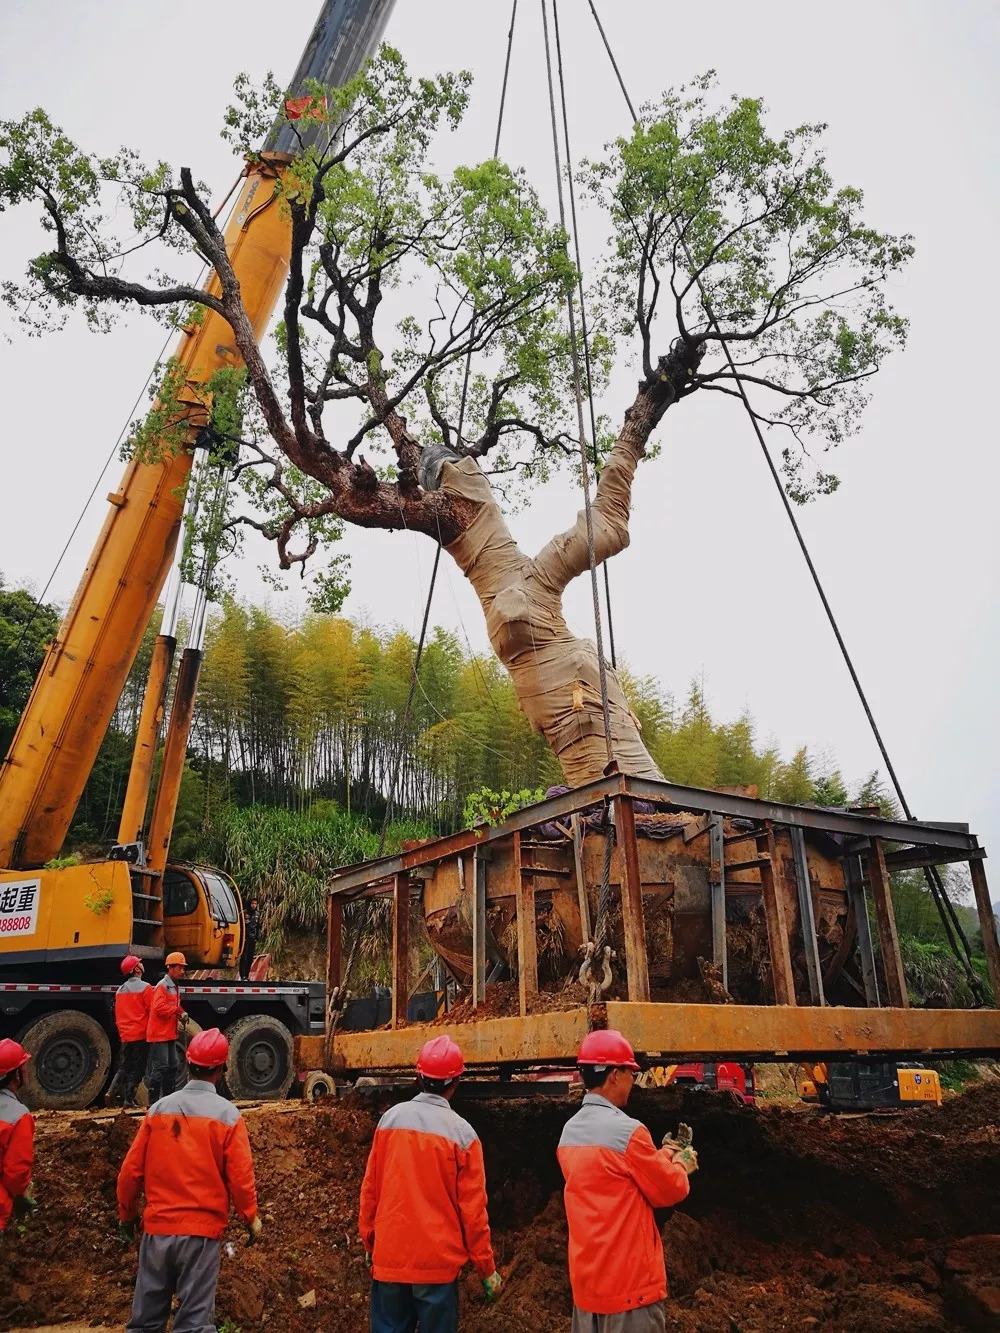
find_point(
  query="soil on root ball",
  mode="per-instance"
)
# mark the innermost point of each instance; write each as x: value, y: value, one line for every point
x: 795, y: 1220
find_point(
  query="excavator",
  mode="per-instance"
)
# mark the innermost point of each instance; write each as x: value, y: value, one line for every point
x: 869, y: 1085
x: 64, y: 928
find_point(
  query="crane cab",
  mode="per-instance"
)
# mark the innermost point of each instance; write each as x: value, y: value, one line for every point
x: 202, y: 916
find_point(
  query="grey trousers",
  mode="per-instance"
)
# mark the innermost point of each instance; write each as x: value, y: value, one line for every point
x: 187, y: 1265
x: 161, y: 1076
x: 647, y: 1319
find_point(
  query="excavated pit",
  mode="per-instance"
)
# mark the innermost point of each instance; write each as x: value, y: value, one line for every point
x: 795, y: 1220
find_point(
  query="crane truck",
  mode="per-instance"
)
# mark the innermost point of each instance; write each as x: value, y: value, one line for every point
x: 65, y: 928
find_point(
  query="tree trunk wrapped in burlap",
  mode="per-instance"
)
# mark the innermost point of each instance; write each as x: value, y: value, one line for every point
x: 556, y: 675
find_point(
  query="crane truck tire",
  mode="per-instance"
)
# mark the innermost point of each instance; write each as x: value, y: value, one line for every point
x: 260, y: 1065
x: 70, y: 1061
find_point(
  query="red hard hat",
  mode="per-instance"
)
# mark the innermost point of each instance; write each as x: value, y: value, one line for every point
x: 440, y: 1058
x: 12, y: 1056
x: 208, y: 1049
x: 607, y: 1047
x: 129, y: 964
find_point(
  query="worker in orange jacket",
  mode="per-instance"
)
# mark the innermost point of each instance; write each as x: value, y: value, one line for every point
x: 17, y: 1134
x: 191, y: 1157
x: 132, y: 1002
x: 165, y: 1017
x: 423, y: 1204
x: 615, y: 1177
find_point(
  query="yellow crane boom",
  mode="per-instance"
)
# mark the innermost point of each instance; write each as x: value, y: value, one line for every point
x: 85, y: 668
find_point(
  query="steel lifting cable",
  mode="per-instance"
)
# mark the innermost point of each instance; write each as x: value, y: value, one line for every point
x: 585, y: 336
x: 949, y: 917
x: 578, y: 395
x: 597, y: 951
x: 415, y: 673
x: 461, y: 423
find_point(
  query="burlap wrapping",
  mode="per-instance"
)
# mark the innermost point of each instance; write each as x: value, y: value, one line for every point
x: 556, y: 675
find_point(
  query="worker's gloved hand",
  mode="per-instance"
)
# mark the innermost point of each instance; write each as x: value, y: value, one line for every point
x: 128, y: 1233
x: 23, y: 1205
x: 682, y: 1139
x: 183, y: 1020
x: 492, y: 1285
x: 687, y: 1158
x: 368, y: 1261
x: 254, y: 1229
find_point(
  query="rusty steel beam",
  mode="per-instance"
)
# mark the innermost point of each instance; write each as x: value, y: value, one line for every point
x: 892, y: 962
x: 400, y: 949
x: 773, y: 895
x: 988, y: 925
x: 684, y: 1031
x: 536, y: 1039
x: 527, y: 942
x: 633, y: 916
x: 918, y: 858
x: 800, y: 816
x: 948, y: 837
x: 713, y: 1031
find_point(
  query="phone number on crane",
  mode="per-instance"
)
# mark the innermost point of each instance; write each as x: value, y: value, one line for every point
x: 9, y: 924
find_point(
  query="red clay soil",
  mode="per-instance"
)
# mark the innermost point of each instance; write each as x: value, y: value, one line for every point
x: 796, y: 1221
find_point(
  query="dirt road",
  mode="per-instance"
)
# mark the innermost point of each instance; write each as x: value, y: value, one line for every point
x: 795, y: 1221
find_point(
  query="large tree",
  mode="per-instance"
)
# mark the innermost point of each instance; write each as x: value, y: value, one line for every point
x: 360, y: 413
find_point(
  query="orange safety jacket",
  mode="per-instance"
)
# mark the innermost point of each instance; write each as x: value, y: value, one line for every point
x: 17, y: 1133
x: 423, y: 1200
x: 191, y: 1156
x: 132, y: 1003
x: 164, y: 1010
x: 615, y: 1177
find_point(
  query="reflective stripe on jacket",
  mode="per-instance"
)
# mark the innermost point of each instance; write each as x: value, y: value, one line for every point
x: 17, y: 1133
x: 423, y: 1201
x: 191, y: 1156
x: 164, y: 1010
x: 132, y: 1003
x: 615, y: 1177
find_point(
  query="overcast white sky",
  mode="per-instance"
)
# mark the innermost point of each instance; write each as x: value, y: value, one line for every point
x: 713, y: 584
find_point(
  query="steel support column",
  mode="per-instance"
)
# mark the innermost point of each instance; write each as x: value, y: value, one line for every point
x: 400, y: 949
x: 717, y: 884
x: 772, y: 892
x: 854, y: 881
x: 334, y: 956
x: 988, y: 926
x: 807, y: 917
x: 581, y: 881
x: 480, y: 926
x: 527, y: 944
x: 633, y: 917
x: 885, y: 916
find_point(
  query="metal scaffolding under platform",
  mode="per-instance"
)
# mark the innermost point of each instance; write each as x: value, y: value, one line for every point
x: 696, y: 860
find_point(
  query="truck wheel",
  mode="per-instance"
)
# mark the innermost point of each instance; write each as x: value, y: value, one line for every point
x: 260, y: 1064
x: 71, y: 1060
x: 318, y: 1086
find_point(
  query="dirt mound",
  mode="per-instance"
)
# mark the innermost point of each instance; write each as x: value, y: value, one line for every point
x: 795, y: 1221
